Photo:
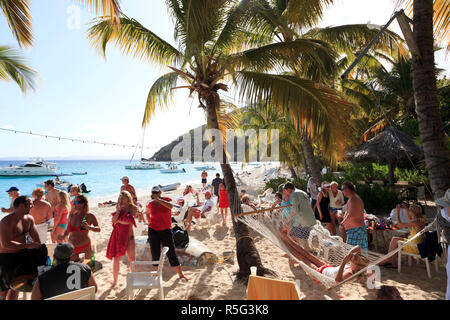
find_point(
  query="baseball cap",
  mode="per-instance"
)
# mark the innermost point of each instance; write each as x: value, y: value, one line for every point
x: 12, y: 189
x: 156, y: 189
x: 207, y: 193
x: 125, y: 178
x: 63, y: 251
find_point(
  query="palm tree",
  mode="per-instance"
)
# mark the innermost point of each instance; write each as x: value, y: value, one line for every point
x: 12, y: 68
x: 283, y: 21
x: 214, y: 48
x: 262, y: 116
x: 432, y: 134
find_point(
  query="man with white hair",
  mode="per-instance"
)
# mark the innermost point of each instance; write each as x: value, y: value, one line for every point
x: 444, y: 222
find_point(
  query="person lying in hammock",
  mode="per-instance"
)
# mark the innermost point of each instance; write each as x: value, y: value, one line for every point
x: 353, y: 262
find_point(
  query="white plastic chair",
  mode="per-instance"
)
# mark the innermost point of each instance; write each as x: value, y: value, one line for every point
x: 416, y: 256
x: 82, y: 294
x: 146, y: 280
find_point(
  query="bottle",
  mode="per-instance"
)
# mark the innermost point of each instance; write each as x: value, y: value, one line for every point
x: 48, y: 263
x: 53, y: 263
x: 92, y: 264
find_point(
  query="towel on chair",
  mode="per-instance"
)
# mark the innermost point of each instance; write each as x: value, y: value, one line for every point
x: 430, y: 246
x: 260, y: 288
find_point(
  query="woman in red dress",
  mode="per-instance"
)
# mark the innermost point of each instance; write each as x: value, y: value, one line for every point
x: 224, y: 203
x: 122, y: 237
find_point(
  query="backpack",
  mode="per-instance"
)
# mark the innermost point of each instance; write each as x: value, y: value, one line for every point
x: 180, y: 237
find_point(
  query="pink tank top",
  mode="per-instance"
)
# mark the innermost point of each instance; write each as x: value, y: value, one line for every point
x: 63, y: 214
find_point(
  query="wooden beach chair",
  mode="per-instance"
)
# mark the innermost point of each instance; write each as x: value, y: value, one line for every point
x: 260, y: 288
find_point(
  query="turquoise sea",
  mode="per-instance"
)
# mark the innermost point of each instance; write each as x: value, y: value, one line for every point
x: 103, y: 178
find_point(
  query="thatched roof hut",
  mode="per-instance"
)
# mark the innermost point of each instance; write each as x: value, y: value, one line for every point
x: 392, y: 147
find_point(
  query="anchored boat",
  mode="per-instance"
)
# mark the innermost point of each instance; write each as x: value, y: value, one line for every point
x: 34, y: 167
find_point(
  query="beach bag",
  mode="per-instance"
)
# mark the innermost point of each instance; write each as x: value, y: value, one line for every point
x: 180, y: 237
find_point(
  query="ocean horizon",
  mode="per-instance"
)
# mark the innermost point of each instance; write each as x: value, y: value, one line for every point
x: 103, y: 178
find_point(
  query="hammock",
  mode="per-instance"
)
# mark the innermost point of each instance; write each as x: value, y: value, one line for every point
x: 329, y: 249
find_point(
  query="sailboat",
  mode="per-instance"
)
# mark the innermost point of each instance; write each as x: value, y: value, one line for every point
x: 144, y: 164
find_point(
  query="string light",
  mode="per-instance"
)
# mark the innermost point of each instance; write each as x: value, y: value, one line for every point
x: 78, y: 140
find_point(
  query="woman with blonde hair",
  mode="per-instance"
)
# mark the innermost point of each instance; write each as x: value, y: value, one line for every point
x: 80, y: 222
x: 417, y: 222
x: 122, y: 241
x: 61, y: 211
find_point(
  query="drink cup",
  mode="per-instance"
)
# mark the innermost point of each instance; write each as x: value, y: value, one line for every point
x: 253, y: 270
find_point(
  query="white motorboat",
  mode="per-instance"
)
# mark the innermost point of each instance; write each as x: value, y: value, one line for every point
x: 34, y: 167
x: 172, y: 169
x: 143, y: 165
x: 205, y: 168
x: 170, y: 187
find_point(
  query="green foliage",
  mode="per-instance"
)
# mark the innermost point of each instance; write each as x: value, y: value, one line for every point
x: 377, y: 199
x: 412, y: 176
x: 409, y: 125
x: 275, y: 183
x: 300, y: 183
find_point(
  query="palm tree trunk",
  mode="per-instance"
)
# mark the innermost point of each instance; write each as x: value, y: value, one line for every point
x: 437, y: 154
x: 311, y: 159
x: 246, y: 252
x: 391, y: 166
x: 293, y: 173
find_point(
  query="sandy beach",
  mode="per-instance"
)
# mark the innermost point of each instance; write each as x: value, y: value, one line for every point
x: 217, y: 282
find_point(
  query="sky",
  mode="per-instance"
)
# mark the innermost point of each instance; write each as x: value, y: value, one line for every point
x: 82, y: 95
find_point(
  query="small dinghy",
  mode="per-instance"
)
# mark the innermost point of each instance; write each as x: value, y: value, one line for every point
x: 170, y: 187
x: 79, y: 173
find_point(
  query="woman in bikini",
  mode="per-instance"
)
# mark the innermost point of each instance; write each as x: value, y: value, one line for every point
x: 61, y: 210
x: 122, y: 237
x: 80, y: 222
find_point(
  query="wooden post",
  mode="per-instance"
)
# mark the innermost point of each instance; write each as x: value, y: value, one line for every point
x: 403, y: 22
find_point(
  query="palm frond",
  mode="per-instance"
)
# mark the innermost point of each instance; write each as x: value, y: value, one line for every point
x: 348, y: 39
x: 13, y: 68
x: 305, y: 13
x: 18, y: 16
x: 160, y: 95
x: 319, y: 110
x: 109, y: 8
x: 134, y: 39
x: 306, y: 54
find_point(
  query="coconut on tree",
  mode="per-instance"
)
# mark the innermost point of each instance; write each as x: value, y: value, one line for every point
x: 214, y: 50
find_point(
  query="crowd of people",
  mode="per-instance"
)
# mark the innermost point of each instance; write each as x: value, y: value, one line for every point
x: 27, y: 224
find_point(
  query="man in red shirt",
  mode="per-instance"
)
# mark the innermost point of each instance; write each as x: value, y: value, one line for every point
x: 159, y: 216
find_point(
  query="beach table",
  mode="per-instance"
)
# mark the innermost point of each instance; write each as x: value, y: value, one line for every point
x: 386, y: 235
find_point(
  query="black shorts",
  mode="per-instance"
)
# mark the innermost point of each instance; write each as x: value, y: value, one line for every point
x: 163, y: 238
x: 203, y: 180
x: 21, y: 263
x: 325, y: 215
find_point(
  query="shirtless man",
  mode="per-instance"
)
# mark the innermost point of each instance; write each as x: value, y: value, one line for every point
x: 14, y: 260
x: 353, y: 222
x: 128, y: 187
x: 41, y: 212
x: 52, y: 194
x: 13, y: 193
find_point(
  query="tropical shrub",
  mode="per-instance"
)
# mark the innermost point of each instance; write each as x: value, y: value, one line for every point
x: 275, y: 183
x: 377, y: 200
x: 300, y: 183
